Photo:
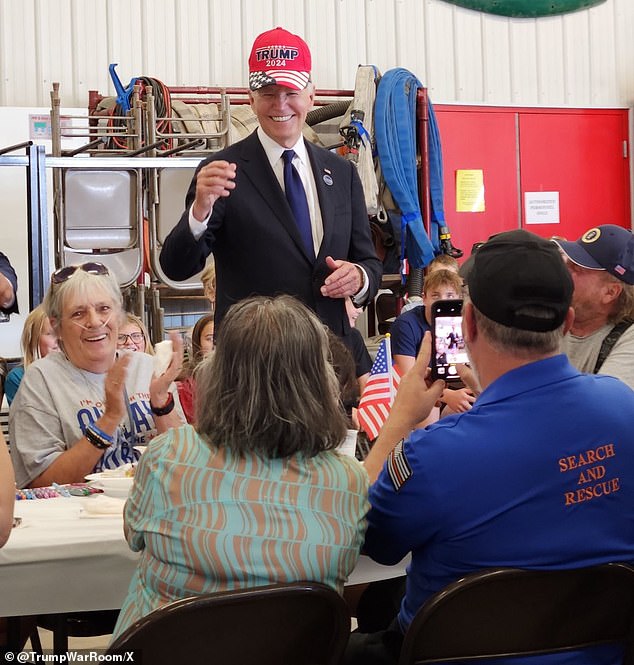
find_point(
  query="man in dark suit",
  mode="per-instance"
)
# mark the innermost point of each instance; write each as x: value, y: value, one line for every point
x: 241, y: 207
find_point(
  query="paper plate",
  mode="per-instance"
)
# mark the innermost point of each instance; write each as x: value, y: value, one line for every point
x: 117, y: 486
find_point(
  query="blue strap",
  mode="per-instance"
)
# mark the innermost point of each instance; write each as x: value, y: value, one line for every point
x: 395, y: 132
x: 363, y: 133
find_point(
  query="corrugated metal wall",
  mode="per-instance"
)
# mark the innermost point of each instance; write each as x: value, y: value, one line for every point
x: 581, y: 59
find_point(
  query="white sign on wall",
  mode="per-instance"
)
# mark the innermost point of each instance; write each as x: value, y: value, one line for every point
x: 541, y: 207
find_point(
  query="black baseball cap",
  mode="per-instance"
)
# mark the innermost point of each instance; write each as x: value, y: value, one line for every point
x: 515, y: 269
x: 607, y: 247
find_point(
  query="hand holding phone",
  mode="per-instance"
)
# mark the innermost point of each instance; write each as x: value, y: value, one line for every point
x: 448, y: 347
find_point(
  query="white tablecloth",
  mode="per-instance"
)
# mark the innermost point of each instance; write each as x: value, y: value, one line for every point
x: 57, y: 561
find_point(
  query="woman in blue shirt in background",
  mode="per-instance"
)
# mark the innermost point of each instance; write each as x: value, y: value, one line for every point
x: 38, y: 340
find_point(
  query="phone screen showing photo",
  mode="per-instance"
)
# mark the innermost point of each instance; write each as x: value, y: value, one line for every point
x: 449, y: 347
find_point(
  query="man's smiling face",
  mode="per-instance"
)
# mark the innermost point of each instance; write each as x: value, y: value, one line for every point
x: 282, y: 111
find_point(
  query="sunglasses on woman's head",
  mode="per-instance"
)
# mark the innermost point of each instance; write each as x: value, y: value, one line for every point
x: 64, y: 274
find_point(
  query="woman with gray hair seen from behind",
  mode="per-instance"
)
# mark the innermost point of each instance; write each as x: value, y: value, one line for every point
x: 85, y: 409
x: 261, y: 495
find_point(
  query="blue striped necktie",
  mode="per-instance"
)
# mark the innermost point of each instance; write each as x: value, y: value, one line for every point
x: 296, y: 196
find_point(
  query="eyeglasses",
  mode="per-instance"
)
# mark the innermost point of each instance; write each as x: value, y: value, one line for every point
x: 136, y: 337
x: 63, y: 274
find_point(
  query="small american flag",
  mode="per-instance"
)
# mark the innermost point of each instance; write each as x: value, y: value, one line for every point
x: 379, y: 391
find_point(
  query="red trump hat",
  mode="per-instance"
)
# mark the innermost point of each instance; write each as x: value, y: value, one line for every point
x: 279, y: 57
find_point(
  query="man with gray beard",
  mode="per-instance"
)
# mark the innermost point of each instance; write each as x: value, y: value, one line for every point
x: 601, y: 339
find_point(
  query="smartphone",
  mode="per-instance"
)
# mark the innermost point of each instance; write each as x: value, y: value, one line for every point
x: 448, y: 347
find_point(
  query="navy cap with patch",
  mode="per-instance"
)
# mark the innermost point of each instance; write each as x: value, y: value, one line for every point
x: 606, y: 247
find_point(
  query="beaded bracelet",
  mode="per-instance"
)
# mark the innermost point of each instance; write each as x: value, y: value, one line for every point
x: 104, y: 435
x: 36, y: 493
x: 97, y: 437
x: 74, y: 489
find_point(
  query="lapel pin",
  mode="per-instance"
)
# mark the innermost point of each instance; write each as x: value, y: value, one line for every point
x: 328, y: 179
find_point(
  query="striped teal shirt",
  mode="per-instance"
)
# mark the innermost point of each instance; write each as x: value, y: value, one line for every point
x: 205, y: 520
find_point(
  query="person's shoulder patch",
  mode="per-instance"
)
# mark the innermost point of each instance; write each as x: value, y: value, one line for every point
x: 398, y: 467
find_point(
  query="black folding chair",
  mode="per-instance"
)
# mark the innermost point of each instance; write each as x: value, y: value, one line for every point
x: 303, y: 623
x: 386, y: 311
x: 505, y: 612
x: 77, y: 624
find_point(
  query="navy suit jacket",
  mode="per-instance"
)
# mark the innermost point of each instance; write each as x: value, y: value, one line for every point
x: 256, y: 245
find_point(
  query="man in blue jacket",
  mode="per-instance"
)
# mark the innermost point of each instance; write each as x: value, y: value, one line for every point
x: 539, y: 474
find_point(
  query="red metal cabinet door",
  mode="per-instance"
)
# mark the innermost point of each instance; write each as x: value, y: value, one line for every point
x: 479, y: 138
x: 580, y: 154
